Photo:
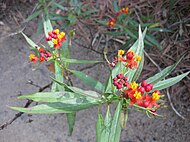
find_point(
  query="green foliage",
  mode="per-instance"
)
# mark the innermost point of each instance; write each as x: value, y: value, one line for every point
x: 109, y: 129
x: 169, y: 82
x: 161, y: 75
x: 99, y: 127
x: 115, y: 125
x: 106, y: 127
x: 71, y: 121
x: 89, y: 80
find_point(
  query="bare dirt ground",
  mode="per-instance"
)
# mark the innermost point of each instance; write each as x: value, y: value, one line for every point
x: 16, y: 72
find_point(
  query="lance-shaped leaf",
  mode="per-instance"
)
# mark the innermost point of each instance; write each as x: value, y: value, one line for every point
x: 137, y: 47
x: 58, y: 107
x: 34, y: 15
x: 153, y: 41
x: 30, y: 42
x: 71, y: 122
x: 115, y: 6
x: 161, y: 75
x: 106, y: 127
x: 42, y: 109
x: 66, y: 97
x: 58, y: 76
x: 115, y: 125
x: 88, y: 80
x: 88, y: 93
x: 99, y: 127
x: 77, y: 61
x: 169, y: 82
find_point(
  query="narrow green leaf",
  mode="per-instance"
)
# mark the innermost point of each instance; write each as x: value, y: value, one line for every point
x: 29, y: 41
x: 41, y: 109
x: 34, y: 15
x: 85, y: 5
x: 72, y: 18
x: 68, y: 106
x: 169, y: 82
x: 115, y: 6
x: 102, y: 22
x: 153, y: 41
x: 161, y: 75
x: 88, y: 80
x: 77, y: 61
x: 132, y: 22
x: 71, y: 121
x: 59, y: 75
x: 106, y: 127
x: 99, y: 127
x: 115, y: 125
x: 130, y: 33
x: 40, y: 28
x: 60, y: 6
x: 50, y: 96
x: 64, y: 96
x: 137, y: 47
x: 88, y: 12
x: 159, y: 29
x: 88, y: 93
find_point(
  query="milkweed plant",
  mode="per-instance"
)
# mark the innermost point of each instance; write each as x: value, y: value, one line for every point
x: 122, y: 88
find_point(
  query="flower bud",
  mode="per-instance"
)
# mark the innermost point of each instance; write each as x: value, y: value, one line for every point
x: 151, y: 86
x: 125, y: 79
x: 126, y: 84
x: 119, y: 86
x: 41, y: 50
x: 141, y: 90
x: 148, y: 88
x: 144, y: 83
x: 114, y: 79
x: 129, y: 55
x: 121, y: 82
x: 146, y: 104
x: 120, y: 76
x: 116, y: 83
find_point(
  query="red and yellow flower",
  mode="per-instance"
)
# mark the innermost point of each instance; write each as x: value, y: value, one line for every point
x: 56, y: 37
x: 111, y: 23
x: 43, y: 55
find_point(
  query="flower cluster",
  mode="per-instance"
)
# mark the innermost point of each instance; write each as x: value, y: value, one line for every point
x: 119, y: 81
x: 56, y: 37
x: 112, y: 21
x: 43, y: 55
x: 138, y: 94
x: 124, y: 11
x: 130, y: 60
